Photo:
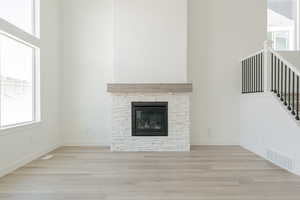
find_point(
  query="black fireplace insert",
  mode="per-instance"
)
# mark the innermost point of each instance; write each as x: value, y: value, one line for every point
x: 149, y: 118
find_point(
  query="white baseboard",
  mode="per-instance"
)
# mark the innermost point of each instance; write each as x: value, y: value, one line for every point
x: 215, y: 143
x: 80, y: 144
x: 26, y: 160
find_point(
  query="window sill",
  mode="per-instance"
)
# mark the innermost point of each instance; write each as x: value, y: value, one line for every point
x: 18, y: 127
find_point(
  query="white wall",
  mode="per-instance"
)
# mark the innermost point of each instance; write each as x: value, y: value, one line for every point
x: 150, y: 41
x: 266, y: 125
x: 21, y: 145
x: 88, y: 57
x: 218, y: 39
x: 220, y: 34
x: 87, y: 68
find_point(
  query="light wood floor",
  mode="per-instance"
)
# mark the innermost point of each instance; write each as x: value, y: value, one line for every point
x: 207, y: 173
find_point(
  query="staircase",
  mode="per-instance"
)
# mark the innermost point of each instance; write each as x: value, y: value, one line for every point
x: 267, y: 72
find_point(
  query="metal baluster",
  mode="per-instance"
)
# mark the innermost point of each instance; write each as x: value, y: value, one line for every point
x: 297, y: 102
x: 257, y: 73
x: 285, y: 86
x: 293, y: 103
x: 245, y: 76
x: 242, y: 76
x: 262, y: 72
x: 248, y: 74
x: 253, y: 77
x: 246, y: 83
x: 289, y: 93
x: 282, y: 82
x: 275, y: 75
x: 278, y: 81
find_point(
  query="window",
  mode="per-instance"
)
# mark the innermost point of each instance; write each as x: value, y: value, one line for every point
x: 20, y: 13
x: 283, y: 24
x: 281, y: 40
x: 19, y: 66
x: 16, y: 82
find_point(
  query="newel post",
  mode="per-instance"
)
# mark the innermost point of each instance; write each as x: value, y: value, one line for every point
x: 267, y: 65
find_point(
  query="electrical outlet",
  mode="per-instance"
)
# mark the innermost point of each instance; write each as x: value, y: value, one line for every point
x: 209, y: 133
x: 30, y: 139
x: 89, y: 131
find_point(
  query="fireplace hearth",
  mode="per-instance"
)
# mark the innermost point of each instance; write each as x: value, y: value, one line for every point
x: 149, y: 119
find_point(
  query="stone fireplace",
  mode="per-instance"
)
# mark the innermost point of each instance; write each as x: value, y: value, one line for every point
x: 150, y: 117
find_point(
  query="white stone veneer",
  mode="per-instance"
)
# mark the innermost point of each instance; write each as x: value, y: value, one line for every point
x: 178, y: 116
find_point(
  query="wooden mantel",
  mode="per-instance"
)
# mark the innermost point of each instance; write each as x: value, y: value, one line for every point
x: 150, y: 88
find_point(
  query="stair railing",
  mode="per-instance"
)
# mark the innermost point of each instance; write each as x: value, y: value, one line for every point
x: 253, y: 73
x: 267, y: 71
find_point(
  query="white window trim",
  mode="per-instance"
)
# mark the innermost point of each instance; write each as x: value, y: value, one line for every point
x: 291, y: 31
x: 36, y: 18
x: 33, y: 41
x: 296, y: 39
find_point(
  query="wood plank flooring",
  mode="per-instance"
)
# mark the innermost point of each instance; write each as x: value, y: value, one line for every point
x: 206, y: 173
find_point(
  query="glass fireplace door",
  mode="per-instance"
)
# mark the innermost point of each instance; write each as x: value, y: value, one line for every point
x: 149, y: 119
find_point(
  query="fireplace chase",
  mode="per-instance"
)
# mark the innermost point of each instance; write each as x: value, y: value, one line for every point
x: 149, y: 118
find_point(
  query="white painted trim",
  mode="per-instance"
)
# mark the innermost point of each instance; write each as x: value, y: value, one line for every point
x: 267, y: 66
x: 79, y: 144
x: 20, y: 163
x: 17, y: 126
x: 292, y: 36
x: 37, y: 85
x: 12, y: 30
x: 17, y: 39
x: 114, y: 64
x: 1, y: 63
x: 36, y: 18
x: 253, y: 54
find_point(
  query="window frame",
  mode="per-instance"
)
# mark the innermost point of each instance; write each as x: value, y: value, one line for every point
x: 36, y: 18
x: 33, y: 41
x: 296, y: 38
x: 291, y: 44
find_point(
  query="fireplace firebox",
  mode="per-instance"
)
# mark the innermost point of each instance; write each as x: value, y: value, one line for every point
x: 149, y: 118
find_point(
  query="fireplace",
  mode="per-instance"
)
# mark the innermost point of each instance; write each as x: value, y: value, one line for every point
x: 149, y: 119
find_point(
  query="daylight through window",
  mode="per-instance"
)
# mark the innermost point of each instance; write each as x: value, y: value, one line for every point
x: 19, y: 66
x: 283, y: 24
